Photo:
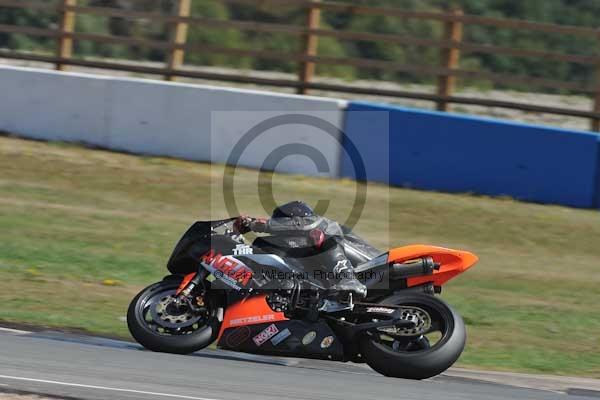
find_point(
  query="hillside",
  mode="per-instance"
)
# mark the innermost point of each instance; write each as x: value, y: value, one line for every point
x: 569, y: 12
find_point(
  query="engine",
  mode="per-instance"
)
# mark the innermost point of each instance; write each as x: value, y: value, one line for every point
x: 280, y: 301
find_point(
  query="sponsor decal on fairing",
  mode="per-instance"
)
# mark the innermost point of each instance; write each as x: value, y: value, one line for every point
x: 255, y: 319
x: 380, y: 310
x: 230, y: 270
x: 309, y: 338
x: 327, y: 342
x: 281, y: 336
x: 238, y: 336
x: 265, y: 335
x: 242, y: 250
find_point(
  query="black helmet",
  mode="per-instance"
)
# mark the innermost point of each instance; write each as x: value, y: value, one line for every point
x: 293, y: 209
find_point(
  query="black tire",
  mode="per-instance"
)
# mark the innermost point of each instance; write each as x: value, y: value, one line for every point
x: 420, y: 364
x: 152, y: 340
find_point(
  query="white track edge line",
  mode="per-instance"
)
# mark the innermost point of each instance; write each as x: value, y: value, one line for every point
x: 14, y: 331
x: 18, y: 378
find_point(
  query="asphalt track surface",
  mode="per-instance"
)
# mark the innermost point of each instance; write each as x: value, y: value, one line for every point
x: 77, y: 367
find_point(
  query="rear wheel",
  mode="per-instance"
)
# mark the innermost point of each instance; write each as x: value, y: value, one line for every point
x: 158, y: 323
x: 428, y: 349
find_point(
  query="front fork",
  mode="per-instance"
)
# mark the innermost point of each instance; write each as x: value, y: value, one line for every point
x: 198, y: 302
x: 186, y: 288
x: 189, y: 282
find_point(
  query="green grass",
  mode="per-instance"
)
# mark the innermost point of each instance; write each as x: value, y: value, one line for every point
x: 72, y: 218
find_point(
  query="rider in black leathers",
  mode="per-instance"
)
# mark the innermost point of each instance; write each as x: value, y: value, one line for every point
x: 295, y: 228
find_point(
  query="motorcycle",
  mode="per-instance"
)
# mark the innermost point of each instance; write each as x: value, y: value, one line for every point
x: 256, y: 298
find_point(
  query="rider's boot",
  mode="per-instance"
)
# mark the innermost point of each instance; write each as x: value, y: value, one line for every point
x: 347, y: 282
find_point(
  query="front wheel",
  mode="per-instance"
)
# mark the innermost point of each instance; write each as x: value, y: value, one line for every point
x: 158, y: 323
x: 427, y: 350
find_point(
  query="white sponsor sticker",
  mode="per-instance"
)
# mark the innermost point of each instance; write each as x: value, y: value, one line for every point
x: 242, y: 250
x: 309, y: 338
x: 327, y: 342
x: 265, y: 335
x: 255, y: 319
x: 281, y: 336
x: 381, y: 310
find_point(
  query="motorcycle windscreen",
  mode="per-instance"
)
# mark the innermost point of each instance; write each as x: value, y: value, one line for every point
x: 195, y: 242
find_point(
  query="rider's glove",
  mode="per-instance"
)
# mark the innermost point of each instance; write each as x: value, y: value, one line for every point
x: 259, y: 225
x: 242, y: 224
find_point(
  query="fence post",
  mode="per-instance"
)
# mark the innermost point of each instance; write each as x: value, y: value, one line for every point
x: 453, y: 32
x: 311, y: 44
x: 596, y: 121
x: 67, y: 26
x: 179, y: 37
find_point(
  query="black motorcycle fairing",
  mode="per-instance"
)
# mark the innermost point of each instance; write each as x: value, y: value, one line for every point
x: 267, y: 265
x: 357, y: 249
x: 294, y: 338
x: 194, y: 243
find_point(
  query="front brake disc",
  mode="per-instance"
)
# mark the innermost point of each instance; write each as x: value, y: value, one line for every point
x: 164, y: 313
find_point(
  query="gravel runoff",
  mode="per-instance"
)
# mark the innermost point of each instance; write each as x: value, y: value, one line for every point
x: 550, y: 100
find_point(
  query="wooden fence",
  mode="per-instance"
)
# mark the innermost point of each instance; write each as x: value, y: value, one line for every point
x: 451, y: 45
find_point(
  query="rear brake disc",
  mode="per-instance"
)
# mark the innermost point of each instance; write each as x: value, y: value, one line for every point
x: 420, y: 317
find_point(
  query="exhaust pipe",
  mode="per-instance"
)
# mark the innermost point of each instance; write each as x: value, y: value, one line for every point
x: 418, y: 267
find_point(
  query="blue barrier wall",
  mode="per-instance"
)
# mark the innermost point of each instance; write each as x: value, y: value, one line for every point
x: 456, y: 153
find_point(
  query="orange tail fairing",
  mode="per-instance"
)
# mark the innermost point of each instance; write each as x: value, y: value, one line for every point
x: 250, y: 311
x: 453, y: 262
